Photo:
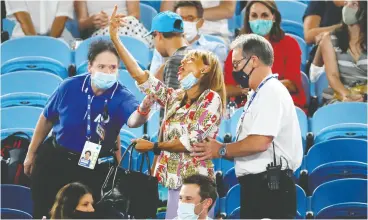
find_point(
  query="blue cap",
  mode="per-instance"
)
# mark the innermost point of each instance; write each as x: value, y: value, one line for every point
x: 164, y: 22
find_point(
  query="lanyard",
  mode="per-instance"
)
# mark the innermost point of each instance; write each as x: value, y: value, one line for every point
x: 251, y: 100
x: 89, y: 116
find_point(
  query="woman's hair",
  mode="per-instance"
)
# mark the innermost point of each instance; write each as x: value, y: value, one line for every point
x: 67, y: 200
x: 276, y: 33
x: 100, y: 46
x: 214, y: 79
x: 342, y: 34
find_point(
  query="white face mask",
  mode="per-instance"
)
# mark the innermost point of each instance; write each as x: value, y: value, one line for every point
x: 186, y: 211
x: 190, y: 30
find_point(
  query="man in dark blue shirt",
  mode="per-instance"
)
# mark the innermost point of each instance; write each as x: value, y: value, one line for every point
x: 86, y: 110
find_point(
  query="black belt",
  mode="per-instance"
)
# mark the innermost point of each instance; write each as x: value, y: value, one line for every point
x: 263, y: 176
x: 76, y: 155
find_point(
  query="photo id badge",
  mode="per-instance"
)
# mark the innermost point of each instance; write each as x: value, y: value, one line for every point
x: 100, y: 130
x: 89, y: 155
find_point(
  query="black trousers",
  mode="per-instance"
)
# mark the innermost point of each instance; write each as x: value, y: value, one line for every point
x: 258, y: 201
x: 54, y: 168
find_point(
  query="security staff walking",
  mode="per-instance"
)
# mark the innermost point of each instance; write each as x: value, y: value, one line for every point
x: 85, y: 114
x: 268, y: 147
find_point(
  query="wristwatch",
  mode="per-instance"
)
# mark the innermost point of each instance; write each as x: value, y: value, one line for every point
x: 222, y: 151
x: 156, y: 150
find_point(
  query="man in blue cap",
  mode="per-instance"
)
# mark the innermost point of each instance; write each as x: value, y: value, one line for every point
x: 167, y: 31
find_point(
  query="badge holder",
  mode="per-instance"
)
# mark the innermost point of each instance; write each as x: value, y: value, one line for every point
x: 89, y: 155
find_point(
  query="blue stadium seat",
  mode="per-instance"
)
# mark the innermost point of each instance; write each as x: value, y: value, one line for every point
x: 301, y: 202
x: 137, y: 48
x: 306, y: 86
x: 234, y: 122
x: 153, y: 124
x: 7, y: 213
x: 336, y: 159
x: 16, y: 197
x: 4, y: 133
x: 303, y: 123
x: 230, y: 179
x: 214, y: 38
x: 43, y: 53
x: 291, y: 10
x: 126, y: 80
x: 338, y: 113
x: 154, y: 4
x: 304, y: 48
x: 20, y: 117
x: 343, y: 130
x: 222, y: 130
x: 235, y: 214
x: 72, y: 26
x: 8, y: 25
x: 232, y: 23
x: 161, y: 215
x: 29, y: 81
x: 344, y: 199
x: 292, y: 27
x: 24, y: 99
x: 233, y: 199
x: 226, y: 165
x: 320, y: 85
x: 146, y: 15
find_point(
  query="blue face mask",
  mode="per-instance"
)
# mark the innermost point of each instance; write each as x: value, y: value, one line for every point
x: 104, y: 81
x: 188, y: 82
x: 261, y: 27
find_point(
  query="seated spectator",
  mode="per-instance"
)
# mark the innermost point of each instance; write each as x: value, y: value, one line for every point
x: 40, y: 18
x: 215, y: 15
x: 197, y: 197
x: 73, y: 201
x: 93, y: 18
x: 192, y: 14
x: 263, y: 18
x: 344, y: 53
x: 321, y: 17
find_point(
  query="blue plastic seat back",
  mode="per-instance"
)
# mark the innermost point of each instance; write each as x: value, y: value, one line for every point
x: 291, y: 10
x: 20, y: 117
x: 147, y: 14
x: 306, y: 86
x: 24, y: 99
x: 234, y: 120
x: 301, y: 201
x: 136, y: 47
x: 233, y: 199
x: 303, y: 123
x: 8, y: 25
x: 303, y: 47
x: 343, y: 130
x: 154, y: 4
x: 235, y: 214
x: 7, y: 213
x: 320, y: 85
x: 347, y: 193
x: 292, y: 27
x: 16, y: 197
x: 29, y: 81
x: 222, y: 130
x: 226, y: 165
x: 230, y: 179
x: 337, y: 113
x: 336, y: 159
x: 33, y: 52
x: 161, y: 215
x: 145, y: 166
x: 126, y: 80
x: 336, y: 150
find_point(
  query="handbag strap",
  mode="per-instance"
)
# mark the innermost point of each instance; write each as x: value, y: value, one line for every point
x: 145, y: 155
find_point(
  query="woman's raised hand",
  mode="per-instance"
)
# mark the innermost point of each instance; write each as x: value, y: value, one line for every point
x: 116, y: 21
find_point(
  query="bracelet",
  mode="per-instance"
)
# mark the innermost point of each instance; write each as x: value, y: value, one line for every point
x: 143, y: 113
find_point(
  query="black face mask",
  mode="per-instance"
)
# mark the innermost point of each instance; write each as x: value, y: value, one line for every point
x: 242, y: 78
x: 83, y: 215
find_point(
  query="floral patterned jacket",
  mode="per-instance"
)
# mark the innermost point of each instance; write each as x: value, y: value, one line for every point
x: 190, y: 124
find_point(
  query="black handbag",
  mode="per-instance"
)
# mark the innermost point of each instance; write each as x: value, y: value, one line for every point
x: 132, y: 193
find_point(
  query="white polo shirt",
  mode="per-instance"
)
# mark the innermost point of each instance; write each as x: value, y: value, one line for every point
x: 272, y: 113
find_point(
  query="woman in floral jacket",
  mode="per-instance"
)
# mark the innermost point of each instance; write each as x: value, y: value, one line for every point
x: 192, y: 114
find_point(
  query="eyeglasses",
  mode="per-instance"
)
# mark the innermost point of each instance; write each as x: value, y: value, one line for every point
x: 237, y: 62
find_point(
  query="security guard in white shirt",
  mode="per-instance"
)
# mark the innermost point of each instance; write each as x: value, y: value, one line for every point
x: 268, y: 148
